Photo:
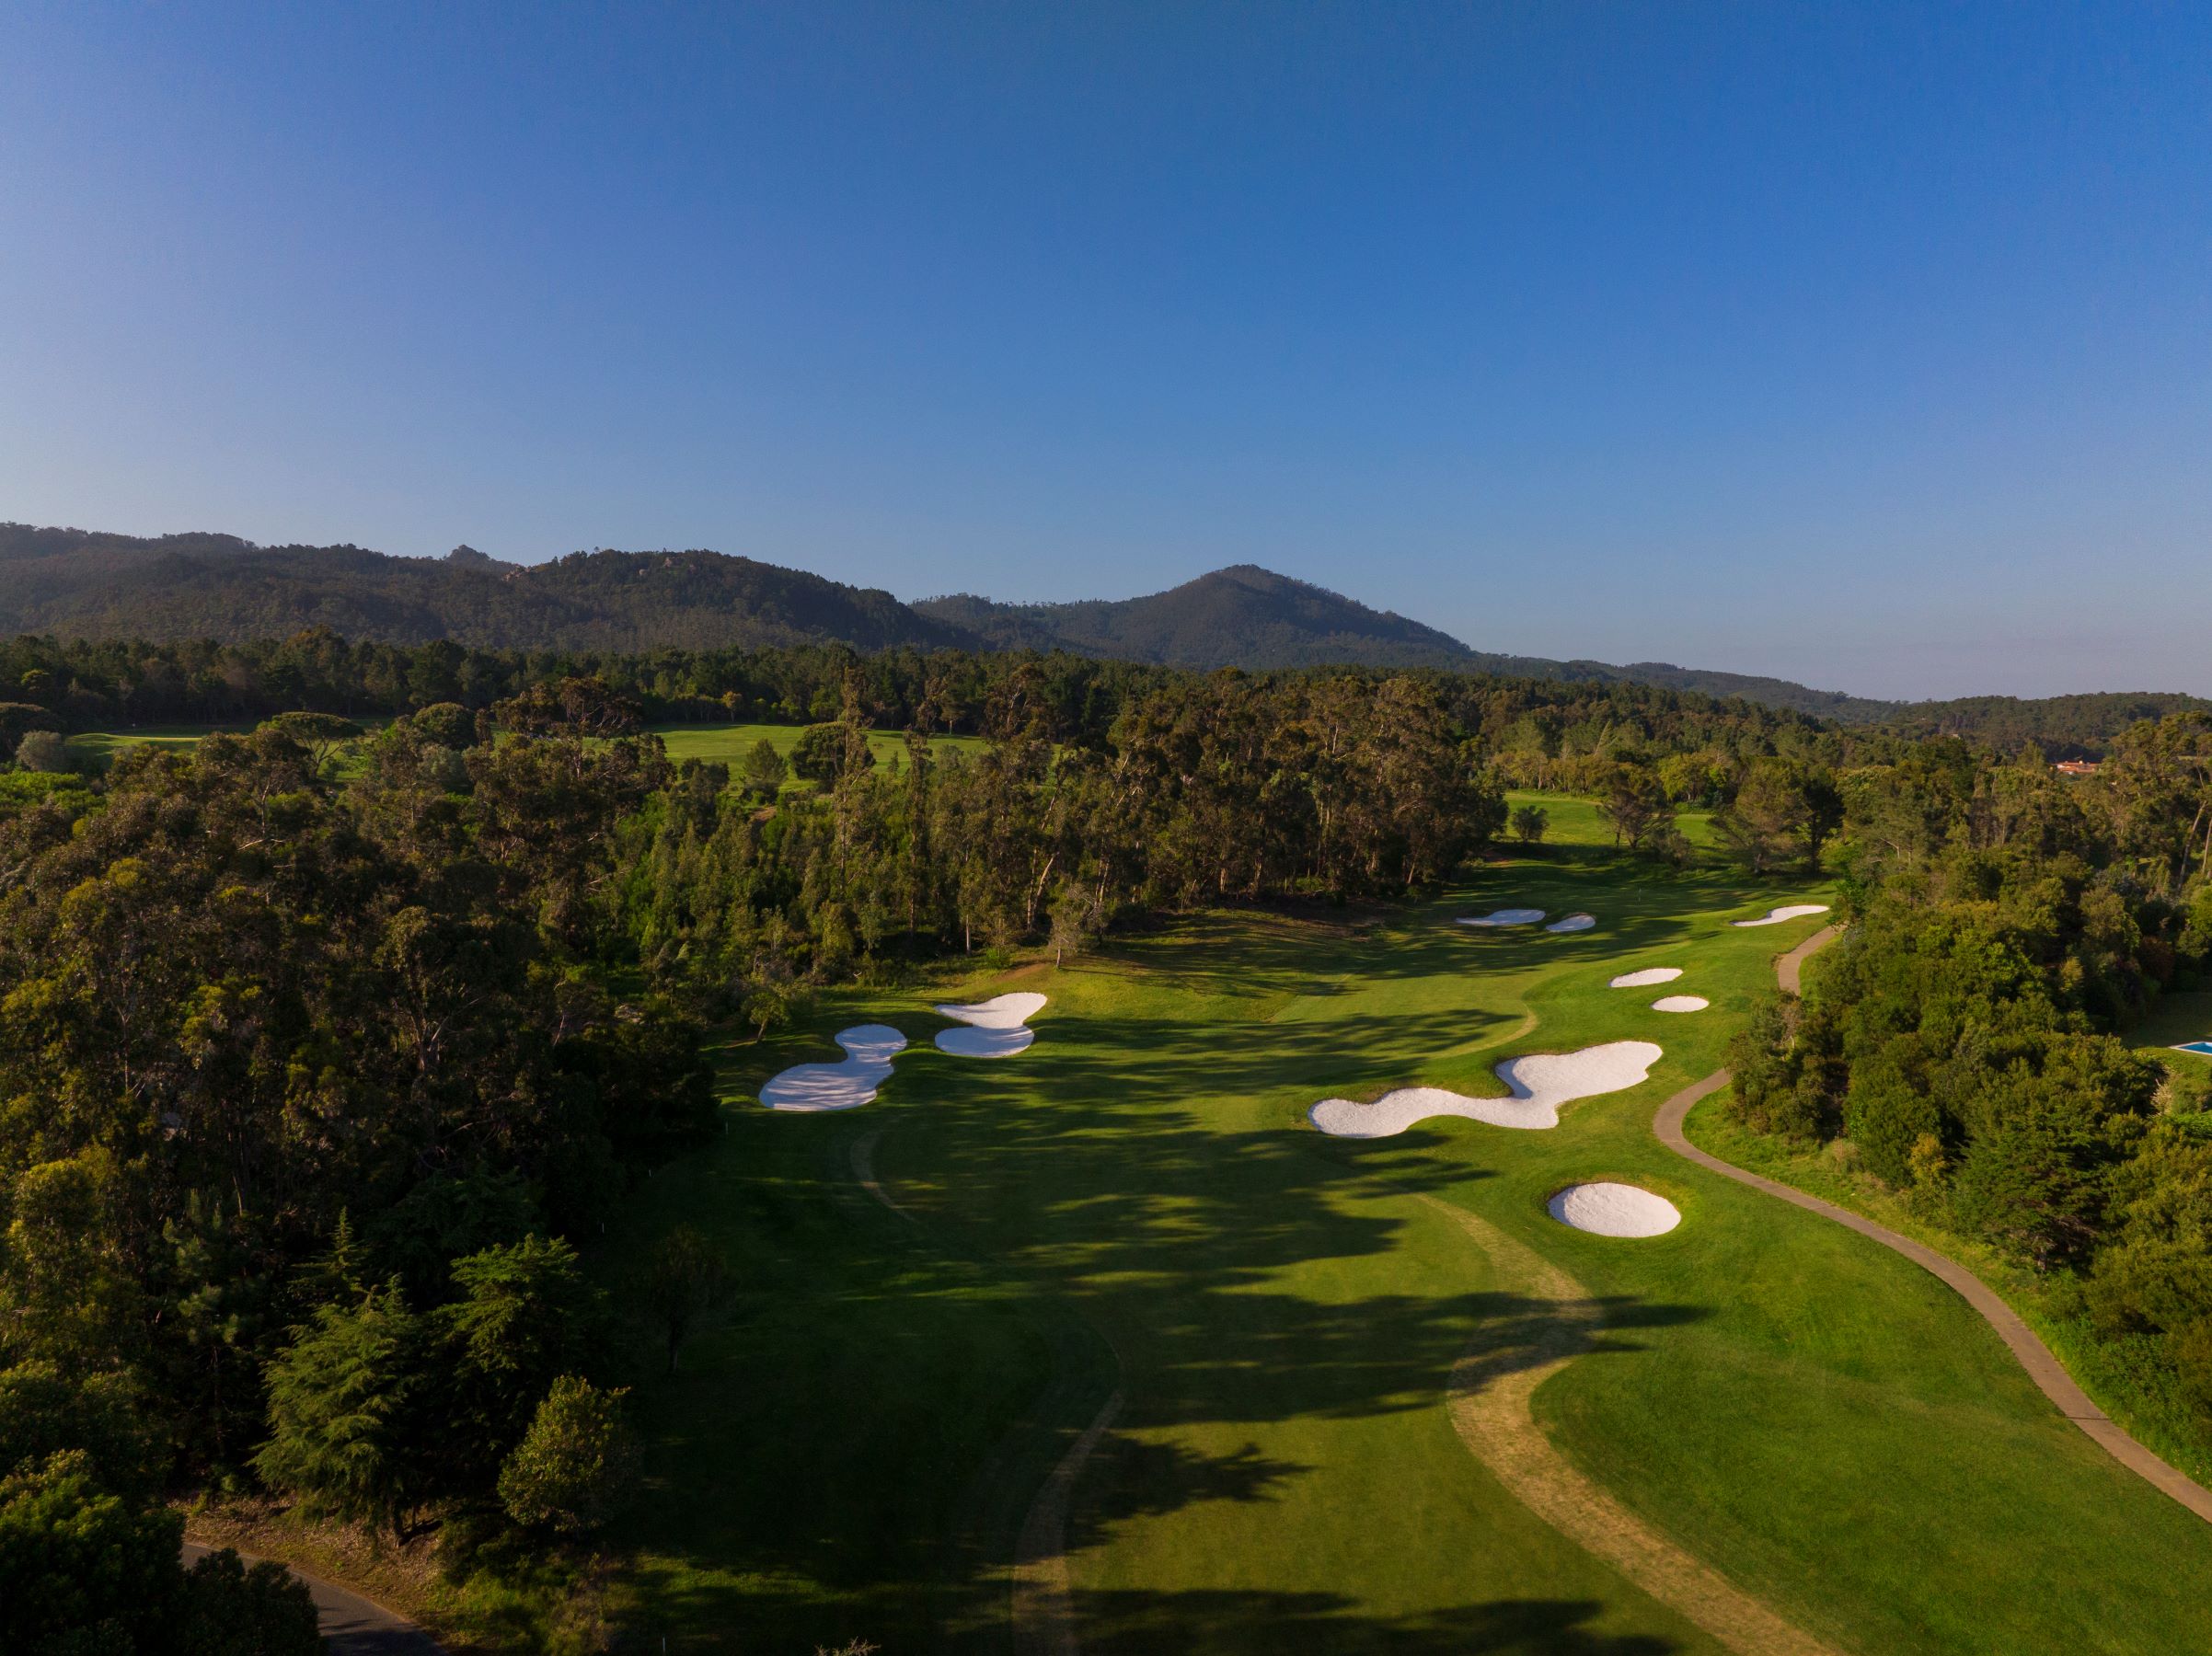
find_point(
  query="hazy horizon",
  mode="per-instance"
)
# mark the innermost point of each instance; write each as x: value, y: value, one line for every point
x: 1873, y: 351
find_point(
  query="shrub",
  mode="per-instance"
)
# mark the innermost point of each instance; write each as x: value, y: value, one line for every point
x: 46, y: 751
x: 233, y: 1609
x: 576, y: 1465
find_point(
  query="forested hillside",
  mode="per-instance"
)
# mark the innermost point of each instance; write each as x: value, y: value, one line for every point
x: 1240, y: 616
x: 73, y: 584
x: 1964, y: 1046
x: 103, y: 586
x: 2062, y: 727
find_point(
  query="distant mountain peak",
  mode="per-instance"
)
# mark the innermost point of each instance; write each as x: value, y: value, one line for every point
x: 198, y: 586
x: 1241, y: 616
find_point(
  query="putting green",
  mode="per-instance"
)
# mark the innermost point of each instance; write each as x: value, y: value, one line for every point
x: 944, y: 1292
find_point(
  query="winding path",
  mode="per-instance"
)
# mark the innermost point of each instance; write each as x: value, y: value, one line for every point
x: 350, y: 1625
x: 2034, y: 1356
x: 1490, y: 1389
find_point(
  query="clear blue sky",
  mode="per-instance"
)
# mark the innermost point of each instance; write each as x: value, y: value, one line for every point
x: 1868, y: 346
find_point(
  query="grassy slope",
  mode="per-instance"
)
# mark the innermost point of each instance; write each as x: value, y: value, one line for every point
x: 2175, y: 1019
x: 1138, y: 1198
x: 100, y: 746
x: 728, y: 744
x: 1575, y: 821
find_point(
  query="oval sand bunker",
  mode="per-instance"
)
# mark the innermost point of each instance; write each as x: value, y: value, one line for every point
x: 1614, y: 1210
x: 1540, y: 1083
x: 1680, y: 1002
x: 1646, y: 978
x: 1794, y: 910
x: 1572, y: 923
x: 995, y: 1026
x: 1503, y: 917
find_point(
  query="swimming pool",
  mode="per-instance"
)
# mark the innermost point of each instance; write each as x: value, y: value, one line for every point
x: 2197, y: 1046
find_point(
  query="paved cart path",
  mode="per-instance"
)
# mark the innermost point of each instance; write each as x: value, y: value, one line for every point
x: 2036, y: 1357
x: 351, y: 1625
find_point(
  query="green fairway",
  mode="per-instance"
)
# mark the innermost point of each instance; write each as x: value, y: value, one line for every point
x: 1574, y: 821
x: 99, y: 747
x: 1138, y: 1205
x: 728, y: 744
x: 719, y: 744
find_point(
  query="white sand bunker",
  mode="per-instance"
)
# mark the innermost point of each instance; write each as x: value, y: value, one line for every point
x: 869, y: 1050
x: 995, y: 1026
x: 1540, y: 1083
x: 1503, y: 917
x: 1572, y: 923
x: 1680, y: 1002
x: 1646, y: 978
x: 1795, y: 911
x: 1614, y: 1210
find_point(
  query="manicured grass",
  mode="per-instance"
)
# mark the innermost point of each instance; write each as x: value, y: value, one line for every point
x: 728, y: 744
x: 725, y: 744
x: 2174, y: 1019
x: 1574, y: 821
x: 1137, y: 1201
x: 101, y: 746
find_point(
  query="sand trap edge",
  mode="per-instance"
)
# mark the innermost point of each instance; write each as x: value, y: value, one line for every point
x: 1604, y: 1207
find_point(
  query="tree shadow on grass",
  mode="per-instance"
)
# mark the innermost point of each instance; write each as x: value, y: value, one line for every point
x: 853, y: 1451
x: 1268, y: 1624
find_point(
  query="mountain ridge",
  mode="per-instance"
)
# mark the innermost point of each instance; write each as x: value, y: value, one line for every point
x: 207, y: 586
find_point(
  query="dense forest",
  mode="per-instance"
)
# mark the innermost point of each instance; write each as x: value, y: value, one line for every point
x: 324, y: 1052
x: 1962, y: 1044
x: 324, y: 1049
x: 46, y: 685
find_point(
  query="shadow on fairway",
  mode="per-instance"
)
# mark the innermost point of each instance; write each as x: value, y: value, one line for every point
x: 852, y: 1449
x: 1139, y: 1624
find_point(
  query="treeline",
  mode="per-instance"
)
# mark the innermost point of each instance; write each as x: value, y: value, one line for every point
x: 2061, y: 727
x: 303, y: 1087
x: 1962, y: 1043
x: 76, y: 686
x: 1220, y: 789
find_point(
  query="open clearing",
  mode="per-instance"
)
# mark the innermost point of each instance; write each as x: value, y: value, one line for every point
x: 1267, y: 1342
